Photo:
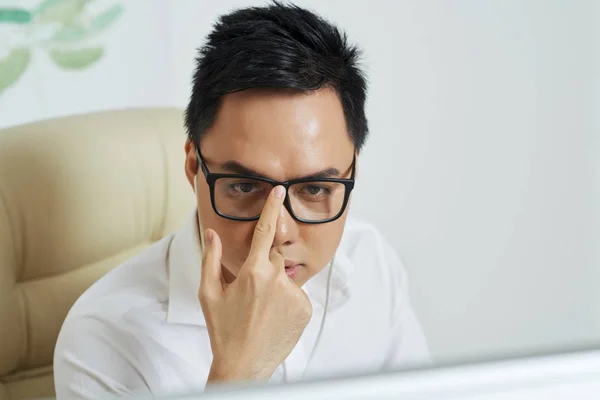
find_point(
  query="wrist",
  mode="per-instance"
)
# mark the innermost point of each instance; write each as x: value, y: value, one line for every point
x: 221, y: 372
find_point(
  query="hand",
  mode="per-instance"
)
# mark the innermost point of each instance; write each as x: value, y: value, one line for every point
x: 254, y: 322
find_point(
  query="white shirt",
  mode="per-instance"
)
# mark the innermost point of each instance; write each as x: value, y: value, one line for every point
x: 140, y: 328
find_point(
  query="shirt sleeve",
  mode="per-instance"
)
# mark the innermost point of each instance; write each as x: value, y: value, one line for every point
x: 408, y: 346
x: 92, y: 361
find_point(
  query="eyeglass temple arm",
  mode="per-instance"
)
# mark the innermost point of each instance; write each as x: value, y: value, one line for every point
x: 201, y: 162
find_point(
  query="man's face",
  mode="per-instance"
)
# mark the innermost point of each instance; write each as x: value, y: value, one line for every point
x: 281, y: 135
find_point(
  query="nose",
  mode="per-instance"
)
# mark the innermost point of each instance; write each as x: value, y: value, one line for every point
x: 286, y: 232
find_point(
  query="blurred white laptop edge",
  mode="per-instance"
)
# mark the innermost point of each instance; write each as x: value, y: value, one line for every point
x: 549, y: 377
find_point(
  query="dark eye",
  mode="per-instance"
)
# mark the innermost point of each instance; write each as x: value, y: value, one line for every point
x: 245, y: 187
x: 242, y: 188
x: 314, y: 190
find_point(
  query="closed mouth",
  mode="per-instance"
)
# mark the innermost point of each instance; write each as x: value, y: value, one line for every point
x: 291, y: 269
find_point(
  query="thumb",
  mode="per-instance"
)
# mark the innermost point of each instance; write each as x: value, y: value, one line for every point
x: 210, y: 281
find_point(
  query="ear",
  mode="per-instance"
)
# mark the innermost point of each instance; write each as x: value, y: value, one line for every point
x: 191, y: 162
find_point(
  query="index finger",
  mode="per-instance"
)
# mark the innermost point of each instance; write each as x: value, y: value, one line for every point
x: 264, y: 232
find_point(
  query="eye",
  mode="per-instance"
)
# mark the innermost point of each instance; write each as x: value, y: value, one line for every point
x: 314, y: 190
x: 246, y: 187
x: 243, y: 187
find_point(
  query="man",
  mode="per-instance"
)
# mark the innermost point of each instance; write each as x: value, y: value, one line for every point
x: 267, y: 280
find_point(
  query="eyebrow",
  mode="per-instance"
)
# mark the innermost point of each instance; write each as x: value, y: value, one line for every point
x: 237, y: 168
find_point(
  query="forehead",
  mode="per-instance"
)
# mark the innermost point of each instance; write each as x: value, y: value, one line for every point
x: 280, y: 133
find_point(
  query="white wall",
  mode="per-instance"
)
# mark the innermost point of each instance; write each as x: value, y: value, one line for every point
x: 596, y: 14
x: 482, y: 168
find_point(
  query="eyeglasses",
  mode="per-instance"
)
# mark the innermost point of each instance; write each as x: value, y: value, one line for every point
x: 311, y: 201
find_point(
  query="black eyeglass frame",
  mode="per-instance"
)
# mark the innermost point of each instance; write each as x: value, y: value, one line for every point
x: 211, y: 179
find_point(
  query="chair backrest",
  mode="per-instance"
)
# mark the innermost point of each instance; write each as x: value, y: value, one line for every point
x: 78, y: 196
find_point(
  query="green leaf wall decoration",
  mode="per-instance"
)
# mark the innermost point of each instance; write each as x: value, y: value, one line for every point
x: 15, y: 15
x: 74, y: 33
x: 106, y: 19
x: 76, y: 59
x: 70, y: 23
x: 61, y: 11
x: 12, y: 66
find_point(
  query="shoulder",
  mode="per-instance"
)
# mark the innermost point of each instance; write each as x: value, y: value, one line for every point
x: 363, y: 243
x: 375, y: 263
x: 130, y: 296
x: 140, y: 281
x: 380, y: 283
x: 102, y: 338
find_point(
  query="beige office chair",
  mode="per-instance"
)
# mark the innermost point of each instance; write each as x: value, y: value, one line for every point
x: 78, y: 196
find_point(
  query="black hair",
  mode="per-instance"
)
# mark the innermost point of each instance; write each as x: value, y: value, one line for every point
x: 278, y: 46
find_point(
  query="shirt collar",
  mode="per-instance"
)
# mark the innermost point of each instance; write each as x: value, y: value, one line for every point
x: 184, y: 263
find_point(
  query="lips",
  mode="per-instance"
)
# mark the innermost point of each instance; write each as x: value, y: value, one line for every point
x: 291, y: 268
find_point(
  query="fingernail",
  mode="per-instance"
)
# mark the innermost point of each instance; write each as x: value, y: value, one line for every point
x: 279, y: 192
x: 208, y: 236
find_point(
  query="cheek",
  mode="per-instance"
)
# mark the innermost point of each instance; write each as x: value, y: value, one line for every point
x: 236, y: 237
x: 321, y: 242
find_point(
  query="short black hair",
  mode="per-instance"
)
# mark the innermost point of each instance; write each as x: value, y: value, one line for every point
x: 277, y: 46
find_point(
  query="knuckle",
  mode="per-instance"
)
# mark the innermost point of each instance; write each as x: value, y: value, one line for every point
x: 304, y: 306
x: 306, y: 311
x: 259, y: 275
x: 204, y: 258
x: 252, y: 261
x: 282, y: 281
x: 264, y: 227
x: 205, y: 296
